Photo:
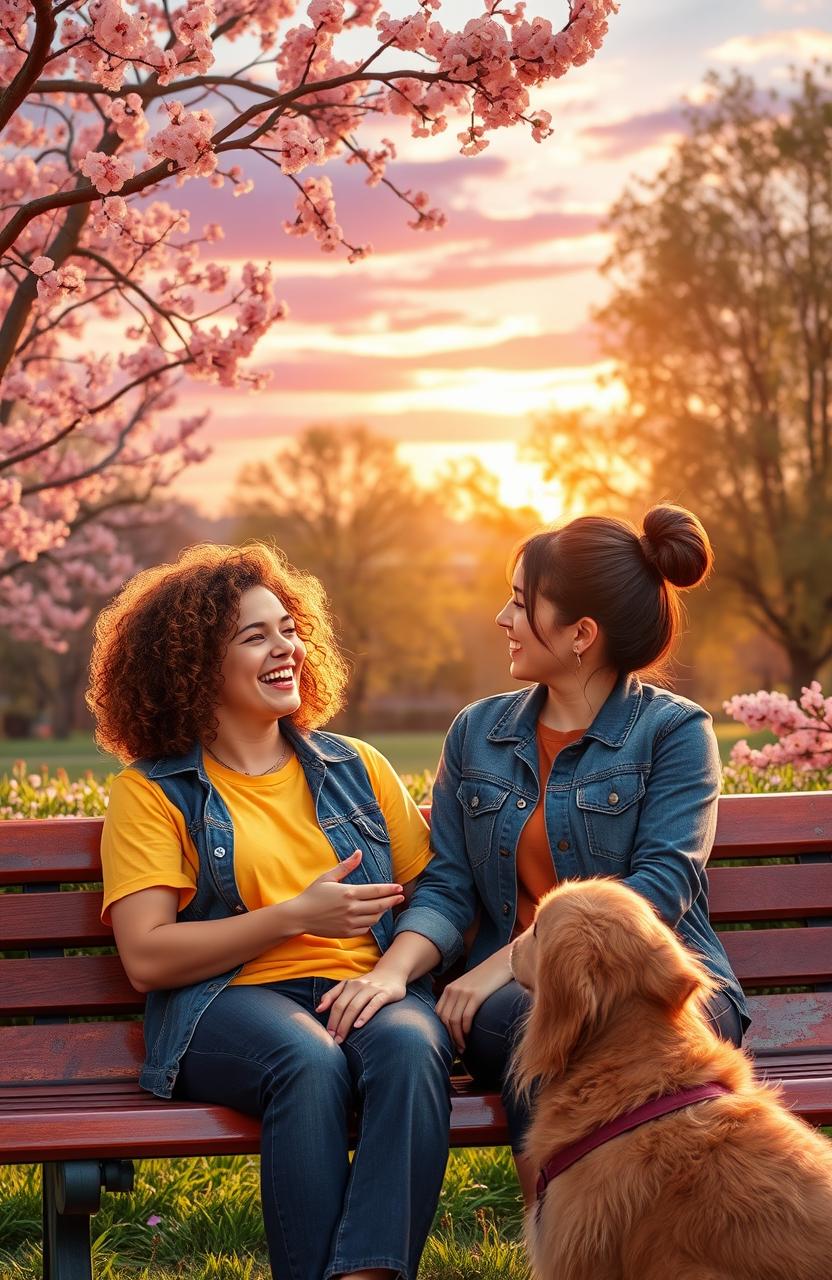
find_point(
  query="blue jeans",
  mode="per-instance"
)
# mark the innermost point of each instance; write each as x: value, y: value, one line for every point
x: 497, y: 1025
x: 264, y: 1050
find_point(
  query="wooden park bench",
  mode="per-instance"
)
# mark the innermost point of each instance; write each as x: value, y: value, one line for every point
x: 69, y: 1097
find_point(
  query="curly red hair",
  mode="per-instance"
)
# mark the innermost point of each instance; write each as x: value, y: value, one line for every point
x: 158, y: 647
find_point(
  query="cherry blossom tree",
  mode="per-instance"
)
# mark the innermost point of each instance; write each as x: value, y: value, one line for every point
x: 104, y: 103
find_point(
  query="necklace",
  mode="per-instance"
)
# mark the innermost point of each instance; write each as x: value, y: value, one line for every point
x: 248, y: 772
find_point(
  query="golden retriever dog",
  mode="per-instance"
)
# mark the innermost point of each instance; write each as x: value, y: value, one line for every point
x: 730, y: 1188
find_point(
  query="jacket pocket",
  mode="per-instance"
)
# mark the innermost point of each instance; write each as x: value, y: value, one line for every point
x: 481, y: 804
x: 611, y: 808
x: 372, y: 826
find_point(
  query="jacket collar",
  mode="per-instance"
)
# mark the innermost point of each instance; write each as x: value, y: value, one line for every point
x: 611, y: 725
x: 315, y: 749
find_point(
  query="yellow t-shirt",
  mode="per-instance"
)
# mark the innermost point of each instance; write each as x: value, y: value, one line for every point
x: 279, y: 849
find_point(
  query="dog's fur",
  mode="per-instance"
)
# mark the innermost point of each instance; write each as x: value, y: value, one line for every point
x: 734, y: 1188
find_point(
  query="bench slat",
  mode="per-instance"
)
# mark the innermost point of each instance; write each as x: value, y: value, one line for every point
x: 779, y: 957
x: 774, y: 825
x: 790, y: 1023
x: 112, y: 1052
x: 135, y: 1124
x: 69, y: 919
x: 747, y: 826
x: 737, y: 893
x: 81, y: 1051
x: 74, y: 985
x: 770, y: 893
x: 34, y: 851
x: 97, y: 984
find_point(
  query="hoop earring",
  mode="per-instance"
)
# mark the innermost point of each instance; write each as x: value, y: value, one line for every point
x: 577, y: 657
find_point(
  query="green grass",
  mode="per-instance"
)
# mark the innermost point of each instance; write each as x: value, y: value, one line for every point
x: 210, y: 1224
x: 408, y: 752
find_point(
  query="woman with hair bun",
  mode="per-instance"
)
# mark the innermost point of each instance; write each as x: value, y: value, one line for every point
x: 588, y: 772
x: 252, y: 867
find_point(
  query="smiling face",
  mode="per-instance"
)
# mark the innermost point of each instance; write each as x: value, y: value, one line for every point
x: 262, y: 664
x: 530, y: 658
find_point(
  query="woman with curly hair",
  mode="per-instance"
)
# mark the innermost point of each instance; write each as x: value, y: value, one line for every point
x: 252, y: 868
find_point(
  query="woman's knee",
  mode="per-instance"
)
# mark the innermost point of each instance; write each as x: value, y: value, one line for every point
x: 494, y: 1032
x: 405, y: 1040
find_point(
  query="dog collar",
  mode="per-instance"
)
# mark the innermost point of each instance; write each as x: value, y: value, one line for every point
x: 569, y: 1155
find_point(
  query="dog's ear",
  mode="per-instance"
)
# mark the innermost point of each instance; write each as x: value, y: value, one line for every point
x: 563, y: 1016
x: 671, y: 975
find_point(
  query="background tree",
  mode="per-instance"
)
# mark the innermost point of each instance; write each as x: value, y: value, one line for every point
x: 482, y: 533
x: 340, y: 504
x: 44, y: 686
x: 103, y: 102
x: 720, y: 321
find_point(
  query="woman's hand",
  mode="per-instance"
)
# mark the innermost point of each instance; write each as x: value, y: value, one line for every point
x: 461, y: 999
x: 329, y: 909
x: 356, y: 1000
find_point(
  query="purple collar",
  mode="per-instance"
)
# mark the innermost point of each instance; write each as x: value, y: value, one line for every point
x: 575, y: 1151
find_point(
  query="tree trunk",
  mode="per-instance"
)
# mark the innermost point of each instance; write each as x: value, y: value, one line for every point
x: 803, y: 669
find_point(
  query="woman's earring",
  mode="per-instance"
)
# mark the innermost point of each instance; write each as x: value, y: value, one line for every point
x: 577, y: 656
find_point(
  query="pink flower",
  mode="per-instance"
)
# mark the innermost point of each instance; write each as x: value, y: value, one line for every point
x: 186, y: 141
x: 327, y: 15
x: 41, y: 265
x: 540, y: 126
x: 107, y: 173
x: 299, y: 145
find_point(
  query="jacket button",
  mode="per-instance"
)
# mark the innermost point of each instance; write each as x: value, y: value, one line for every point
x: 506, y: 908
x: 521, y: 804
x: 475, y: 800
x: 612, y: 798
x: 219, y: 852
x: 563, y: 845
x: 505, y: 853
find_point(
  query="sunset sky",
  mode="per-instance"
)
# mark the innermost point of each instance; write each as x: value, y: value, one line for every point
x: 451, y: 341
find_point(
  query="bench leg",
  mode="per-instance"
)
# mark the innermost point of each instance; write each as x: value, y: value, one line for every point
x: 71, y: 1194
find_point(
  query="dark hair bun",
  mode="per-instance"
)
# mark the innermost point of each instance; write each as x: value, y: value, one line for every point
x: 676, y: 545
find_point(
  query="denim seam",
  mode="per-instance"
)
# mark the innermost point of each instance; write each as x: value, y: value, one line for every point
x: 361, y: 1126
x: 276, y: 1198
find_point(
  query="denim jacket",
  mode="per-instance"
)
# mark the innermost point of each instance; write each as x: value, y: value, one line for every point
x: 634, y: 797
x: 350, y: 817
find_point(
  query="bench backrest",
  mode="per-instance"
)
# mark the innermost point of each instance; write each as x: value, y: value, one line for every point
x: 780, y: 897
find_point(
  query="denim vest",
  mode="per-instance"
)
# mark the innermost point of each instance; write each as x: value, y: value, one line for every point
x: 635, y: 797
x: 348, y: 813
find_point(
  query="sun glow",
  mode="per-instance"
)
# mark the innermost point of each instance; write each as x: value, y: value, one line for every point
x: 520, y: 484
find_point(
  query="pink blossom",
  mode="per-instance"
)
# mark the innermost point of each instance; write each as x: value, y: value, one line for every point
x: 316, y: 215
x: 472, y: 141
x: 298, y: 144
x: 107, y: 173
x: 186, y: 141
x: 803, y: 728
x: 541, y: 123
x: 327, y: 15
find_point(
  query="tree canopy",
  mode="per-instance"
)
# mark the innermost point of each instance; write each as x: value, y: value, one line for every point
x: 720, y: 323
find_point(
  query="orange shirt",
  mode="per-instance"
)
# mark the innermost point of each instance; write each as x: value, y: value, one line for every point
x: 535, y: 868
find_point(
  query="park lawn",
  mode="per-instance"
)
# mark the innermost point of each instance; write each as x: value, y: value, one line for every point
x: 210, y: 1226
x: 408, y: 752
